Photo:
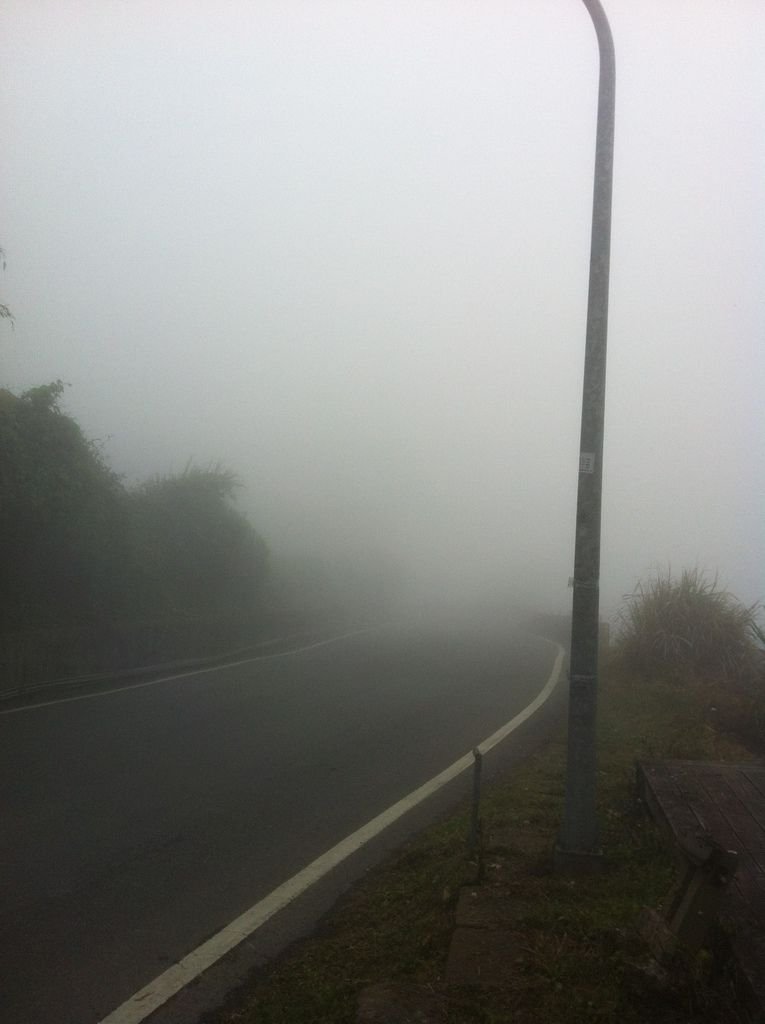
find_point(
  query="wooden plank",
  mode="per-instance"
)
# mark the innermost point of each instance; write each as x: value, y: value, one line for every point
x: 755, y: 777
x: 665, y: 797
x: 726, y: 801
x: 753, y: 794
x: 727, y: 816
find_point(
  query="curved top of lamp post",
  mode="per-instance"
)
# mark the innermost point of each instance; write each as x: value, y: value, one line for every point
x: 603, y: 31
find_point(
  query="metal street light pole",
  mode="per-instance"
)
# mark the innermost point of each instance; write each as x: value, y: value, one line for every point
x: 579, y: 841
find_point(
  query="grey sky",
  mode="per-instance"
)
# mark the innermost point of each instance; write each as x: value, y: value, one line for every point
x: 342, y: 247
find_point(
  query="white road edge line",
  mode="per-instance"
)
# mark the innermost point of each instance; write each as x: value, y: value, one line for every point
x: 170, y: 982
x: 186, y: 675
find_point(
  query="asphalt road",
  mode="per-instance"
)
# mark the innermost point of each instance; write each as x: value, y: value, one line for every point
x: 138, y: 823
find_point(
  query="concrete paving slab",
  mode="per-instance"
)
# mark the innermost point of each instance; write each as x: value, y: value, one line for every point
x: 486, y: 908
x: 400, y: 1003
x: 481, y: 956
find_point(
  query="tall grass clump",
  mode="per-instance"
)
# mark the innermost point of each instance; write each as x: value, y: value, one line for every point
x: 688, y: 626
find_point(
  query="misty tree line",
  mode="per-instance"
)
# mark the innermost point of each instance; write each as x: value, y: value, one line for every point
x: 84, y: 556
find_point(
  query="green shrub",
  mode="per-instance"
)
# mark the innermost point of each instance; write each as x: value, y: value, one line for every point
x: 97, y: 577
x: 688, y: 626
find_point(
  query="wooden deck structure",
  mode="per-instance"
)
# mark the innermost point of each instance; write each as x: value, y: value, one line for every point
x: 724, y: 803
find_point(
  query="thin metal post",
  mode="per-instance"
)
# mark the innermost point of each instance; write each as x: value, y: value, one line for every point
x: 474, y: 841
x: 579, y: 832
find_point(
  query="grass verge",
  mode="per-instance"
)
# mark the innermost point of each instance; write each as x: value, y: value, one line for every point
x: 577, y: 956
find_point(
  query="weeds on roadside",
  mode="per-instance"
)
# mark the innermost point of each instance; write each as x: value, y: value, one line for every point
x: 689, y: 624
x: 687, y: 630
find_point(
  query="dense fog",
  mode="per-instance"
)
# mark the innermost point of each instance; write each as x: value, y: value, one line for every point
x: 343, y: 248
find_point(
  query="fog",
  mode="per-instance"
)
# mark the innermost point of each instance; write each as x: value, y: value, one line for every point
x: 343, y: 249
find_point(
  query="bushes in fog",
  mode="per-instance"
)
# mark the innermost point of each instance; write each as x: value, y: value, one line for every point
x: 688, y: 625
x: 61, y: 515
x: 192, y: 550
x: 81, y: 552
x: 688, y: 630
